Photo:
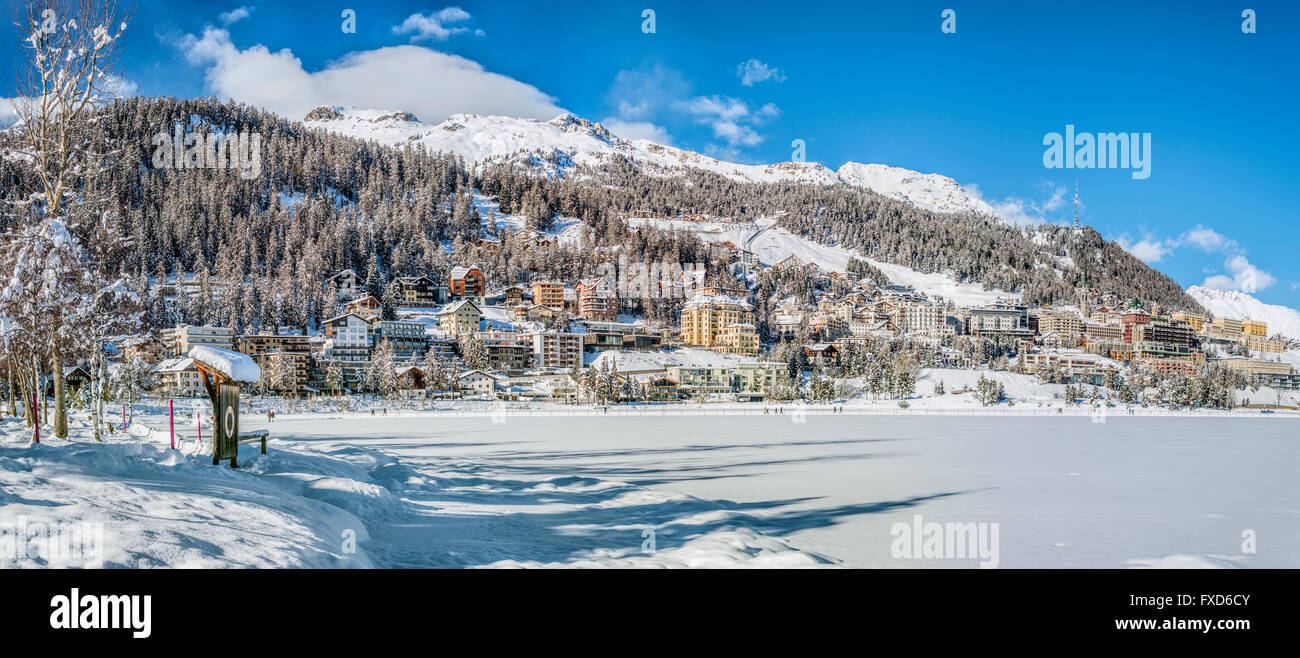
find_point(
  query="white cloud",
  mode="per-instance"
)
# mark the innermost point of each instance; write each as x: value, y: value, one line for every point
x: 409, y: 78
x: 1019, y: 211
x: 1148, y: 250
x: 1208, y: 240
x: 753, y: 71
x: 235, y: 15
x: 638, y: 130
x: 731, y: 119
x: 1242, y: 276
x: 436, y: 25
x: 1239, y: 273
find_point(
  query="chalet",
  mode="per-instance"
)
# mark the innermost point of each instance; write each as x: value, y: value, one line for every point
x: 347, y: 285
x: 822, y: 355
x: 418, y: 291
x: 507, y: 296
x: 663, y: 389
x: 476, y: 383
x: 535, y: 313
x: 74, y: 377
x: 365, y: 306
x: 411, y: 378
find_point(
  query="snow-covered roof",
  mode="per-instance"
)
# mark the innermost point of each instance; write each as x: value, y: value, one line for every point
x: 237, y: 367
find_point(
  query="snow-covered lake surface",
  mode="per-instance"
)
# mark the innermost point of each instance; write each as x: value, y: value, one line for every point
x: 717, y: 491
x: 1064, y: 491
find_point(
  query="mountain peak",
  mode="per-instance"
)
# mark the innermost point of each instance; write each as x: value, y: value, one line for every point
x: 585, y: 142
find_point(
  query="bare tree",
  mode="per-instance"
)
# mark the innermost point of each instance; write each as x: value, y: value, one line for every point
x: 71, y: 50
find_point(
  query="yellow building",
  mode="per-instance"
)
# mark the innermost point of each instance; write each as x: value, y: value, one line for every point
x: 738, y: 339
x: 1255, y: 327
x: 705, y: 317
x: 1197, y: 321
x: 1226, y: 326
x: 460, y: 318
x: 1259, y: 343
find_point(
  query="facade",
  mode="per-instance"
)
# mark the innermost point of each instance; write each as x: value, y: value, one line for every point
x: 597, y: 300
x: 506, y: 351
x: 264, y: 348
x: 466, y: 282
x: 701, y: 380
x: 143, y: 348
x: 555, y: 349
x: 549, y: 294
x: 1255, y: 328
x: 180, y: 378
x: 755, y: 377
x: 459, y: 318
x: 740, y: 338
x: 705, y: 316
x: 921, y: 318
x: 1000, y: 320
x: 476, y: 383
x: 418, y: 291
x: 365, y: 306
x: 347, y: 339
x: 1197, y: 321
x: 1076, y: 366
x: 1065, y: 323
x: 407, y: 338
x: 347, y: 285
x: 178, y: 340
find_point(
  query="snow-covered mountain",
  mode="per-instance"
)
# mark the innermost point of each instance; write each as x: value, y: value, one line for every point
x: 1241, y: 306
x: 554, y: 146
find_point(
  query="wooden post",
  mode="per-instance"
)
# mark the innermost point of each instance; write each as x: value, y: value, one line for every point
x: 36, y: 418
x: 171, y: 422
x: 123, y: 416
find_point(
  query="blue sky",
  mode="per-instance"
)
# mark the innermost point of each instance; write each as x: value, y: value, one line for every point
x: 866, y: 82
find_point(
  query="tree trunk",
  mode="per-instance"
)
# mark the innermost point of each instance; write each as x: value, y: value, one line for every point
x: 60, y: 395
x: 13, y: 410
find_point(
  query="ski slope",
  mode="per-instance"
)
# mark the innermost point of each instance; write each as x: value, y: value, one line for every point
x: 772, y: 244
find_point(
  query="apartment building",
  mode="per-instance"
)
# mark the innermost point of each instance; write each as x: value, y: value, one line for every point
x: 407, y: 338
x: 1000, y: 320
x: 459, y: 318
x: 705, y: 316
x: 466, y: 282
x: 1255, y: 328
x: 347, y: 339
x: 266, y: 348
x: 597, y: 300
x: 555, y: 349
x: 549, y: 294
x: 740, y: 338
x: 178, y: 340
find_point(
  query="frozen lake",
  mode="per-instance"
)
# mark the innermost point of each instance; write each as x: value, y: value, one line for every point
x: 1064, y: 492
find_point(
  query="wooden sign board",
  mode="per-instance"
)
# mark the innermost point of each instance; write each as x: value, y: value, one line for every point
x: 226, y: 426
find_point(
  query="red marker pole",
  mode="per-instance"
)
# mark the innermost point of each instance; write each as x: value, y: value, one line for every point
x: 36, y: 418
x: 198, y: 425
x: 171, y: 422
x: 123, y: 416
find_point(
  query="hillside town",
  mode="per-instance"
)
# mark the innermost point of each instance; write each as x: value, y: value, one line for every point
x: 463, y: 336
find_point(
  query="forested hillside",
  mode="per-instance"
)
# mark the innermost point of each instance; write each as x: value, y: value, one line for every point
x: 323, y: 202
